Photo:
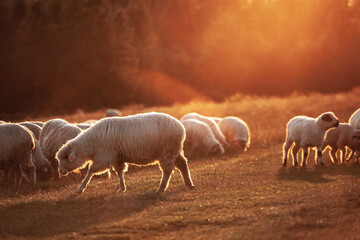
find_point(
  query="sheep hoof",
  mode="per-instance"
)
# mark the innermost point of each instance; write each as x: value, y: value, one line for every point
x: 321, y: 164
x: 191, y: 187
x: 79, y: 190
x: 284, y: 164
x: 121, y: 190
x: 296, y: 164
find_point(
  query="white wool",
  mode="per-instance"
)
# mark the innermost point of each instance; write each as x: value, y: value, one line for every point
x: 200, y: 138
x: 54, y: 134
x: 211, y: 123
x: 355, y: 119
x: 340, y: 138
x: 139, y: 139
x: 235, y: 130
x: 34, y: 128
x: 305, y: 132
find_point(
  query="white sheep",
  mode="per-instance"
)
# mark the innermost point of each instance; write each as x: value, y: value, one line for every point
x: 16, y: 145
x: 200, y: 138
x: 34, y: 128
x: 236, y: 133
x: 113, y: 112
x: 211, y: 123
x: 54, y: 134
x: 345, y: 135
x: 307, y: 132
x: 355, y: 119
x: 139, y: 139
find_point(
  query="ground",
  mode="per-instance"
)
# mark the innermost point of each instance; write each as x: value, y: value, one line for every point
x: 246, y: 196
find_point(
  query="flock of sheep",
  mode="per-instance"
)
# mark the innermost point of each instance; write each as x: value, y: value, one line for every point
x: 305, y: 132
x: 37, y: 151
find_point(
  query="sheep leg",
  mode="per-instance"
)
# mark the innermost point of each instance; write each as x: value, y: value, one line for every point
x: 18, y: 177
x: 86, y: 180
x: 119, y: 168
x: 55, y: 166
x: 182, y: 165
x: 294, y: 154
x: 286, y: 147
x: 351, y: 155
x: 164, y: 180
x: 305, y: 156
x: 342, y: 156
x: 319, y: 158
x: 333, y: 155
x: 5, y: 177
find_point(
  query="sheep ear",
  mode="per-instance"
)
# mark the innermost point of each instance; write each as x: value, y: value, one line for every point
x: 326, y: 118
x: 72, y: 156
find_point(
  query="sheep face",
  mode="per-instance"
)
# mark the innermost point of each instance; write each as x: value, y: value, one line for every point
x: 69, y: 160
x: 44, y: 173
x: 216, y: 149
x: 328, y: 120
x: 238, y: 146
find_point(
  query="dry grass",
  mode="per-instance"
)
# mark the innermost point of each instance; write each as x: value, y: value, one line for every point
x: 250, y: 196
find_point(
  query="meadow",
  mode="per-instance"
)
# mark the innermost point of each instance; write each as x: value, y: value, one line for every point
x: 247, y: 196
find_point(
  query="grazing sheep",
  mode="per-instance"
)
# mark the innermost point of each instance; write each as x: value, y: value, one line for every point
x: 355, y: 119
x: 212, y: 124
x: 16, y: 146
x: 199, y: 137
x: 139, y: 139
x: 345, y: 135
x: 34, y: 128
x: 113, y: 112
x: 307, y: 132
x: 54, y: 134
x: 236, y: 133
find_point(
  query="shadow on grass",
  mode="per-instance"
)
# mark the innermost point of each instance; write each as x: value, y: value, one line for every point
x: 72, y: 214
x: 316, y: 175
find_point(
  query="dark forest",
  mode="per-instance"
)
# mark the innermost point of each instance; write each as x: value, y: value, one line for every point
x: 57, y: 56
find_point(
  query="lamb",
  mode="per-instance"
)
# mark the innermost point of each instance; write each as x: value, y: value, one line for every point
x: 113, y: 112
x: 211, y: 123
x: 355, y: 119
x: 116, y: 141
x: 16, y: 146
x: 236, y: 133
x: 53, y: 135
x: 341, y: 137
x: 199, y: 137
x: 307, y: 132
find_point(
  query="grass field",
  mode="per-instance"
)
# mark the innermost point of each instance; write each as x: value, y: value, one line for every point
x: 250, y: 196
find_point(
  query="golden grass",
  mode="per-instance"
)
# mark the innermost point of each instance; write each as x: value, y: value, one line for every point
x: 250, y: 196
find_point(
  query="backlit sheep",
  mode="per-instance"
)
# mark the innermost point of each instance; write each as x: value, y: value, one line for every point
x: 341, y: 137
x: 139, y: 139
x: 305, y: 132
x: 211, y: 123
x: 54, y: 134
x: 236, y: 133
x: 34, y: 128
x: 355, y: 119
x: 16, y: 145
x: 200, y: 138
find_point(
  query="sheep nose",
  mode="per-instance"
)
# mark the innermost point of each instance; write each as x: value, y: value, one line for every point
x: 336, y: 124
